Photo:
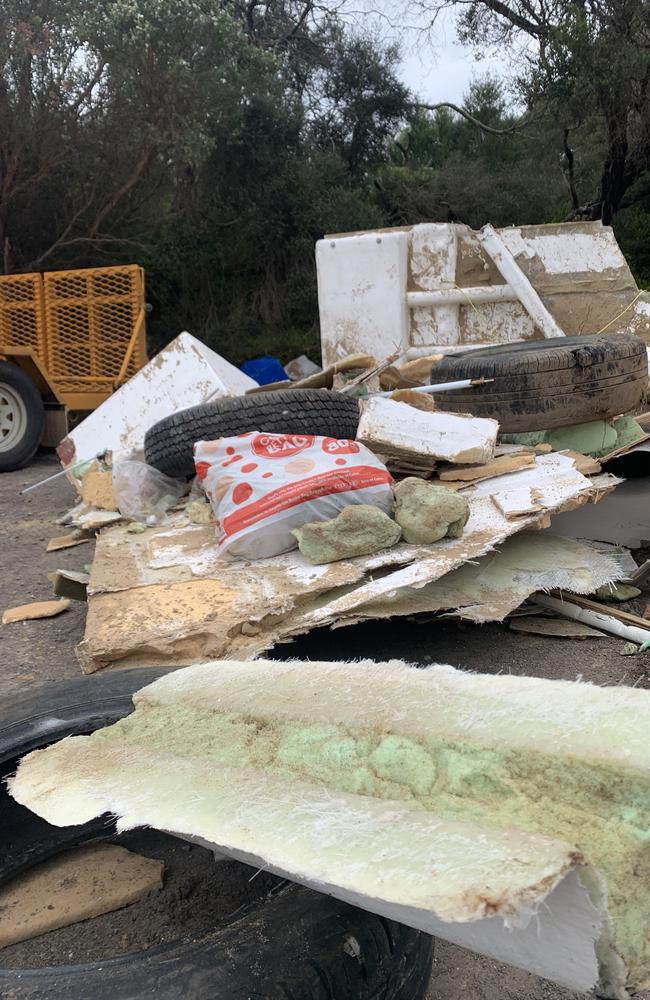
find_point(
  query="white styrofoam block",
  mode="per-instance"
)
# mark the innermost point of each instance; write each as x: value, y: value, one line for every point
x: 450, y: 437
x: 362, y: 294
x: 185, y: 373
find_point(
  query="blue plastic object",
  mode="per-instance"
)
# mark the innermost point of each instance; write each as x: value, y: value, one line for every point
x: 265, y: 370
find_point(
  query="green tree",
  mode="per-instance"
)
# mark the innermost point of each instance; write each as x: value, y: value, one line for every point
x: 100, y: 108
x: 586, y: 64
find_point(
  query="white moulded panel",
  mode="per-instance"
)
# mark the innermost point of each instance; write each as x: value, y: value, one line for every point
x: 568, y: 251
x: 362, y: 294
x: 434, y: 247
x: 185, y: 373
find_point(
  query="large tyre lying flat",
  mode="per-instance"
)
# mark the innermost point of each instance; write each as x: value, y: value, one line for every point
x: 293, y: 944
x: 169, y: 443
x: 548, y: 383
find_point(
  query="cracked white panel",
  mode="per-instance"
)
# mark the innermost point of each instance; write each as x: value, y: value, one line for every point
x: 567, y: 251
x: 185, y: 373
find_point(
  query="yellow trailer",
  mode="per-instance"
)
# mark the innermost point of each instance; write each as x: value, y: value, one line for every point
x: 68, y: 339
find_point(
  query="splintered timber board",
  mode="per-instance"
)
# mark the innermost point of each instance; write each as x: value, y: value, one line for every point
x: 469, y: 806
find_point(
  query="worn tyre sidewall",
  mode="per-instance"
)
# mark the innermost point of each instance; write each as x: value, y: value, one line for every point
x: 26, y: 447
x: 540, y: 385
x: 169, y: 443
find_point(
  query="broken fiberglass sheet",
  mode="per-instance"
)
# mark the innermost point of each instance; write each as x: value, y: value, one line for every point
x: 165, y: 597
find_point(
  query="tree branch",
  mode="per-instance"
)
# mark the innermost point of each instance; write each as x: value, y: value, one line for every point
x: 98, y: 240
x: 489, y: 129
x: 140, y: 167
x: 567, y: 170
x: 517, y: 20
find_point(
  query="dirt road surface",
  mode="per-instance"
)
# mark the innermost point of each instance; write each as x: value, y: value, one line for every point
x: 34, y: 652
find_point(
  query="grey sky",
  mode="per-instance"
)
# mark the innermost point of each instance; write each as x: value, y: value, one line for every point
x: 435, y: 66
x: 443, y: 71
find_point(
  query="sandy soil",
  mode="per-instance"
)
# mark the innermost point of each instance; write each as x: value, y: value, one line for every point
x: 33, y: 652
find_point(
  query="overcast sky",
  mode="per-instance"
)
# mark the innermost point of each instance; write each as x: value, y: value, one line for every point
x: 444, y: 73
x: 436, y: 67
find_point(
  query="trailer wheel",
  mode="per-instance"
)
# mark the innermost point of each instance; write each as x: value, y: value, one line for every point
x: 22, y: 416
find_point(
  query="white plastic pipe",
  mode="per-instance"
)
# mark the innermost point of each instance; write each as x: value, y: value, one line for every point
x: 461, y: 296
x: 464, y: 383
x: 605, y: 622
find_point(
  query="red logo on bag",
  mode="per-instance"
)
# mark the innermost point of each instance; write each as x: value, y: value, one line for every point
x: 280, y: 445
x: 340, y: 446
x: 202, y: 469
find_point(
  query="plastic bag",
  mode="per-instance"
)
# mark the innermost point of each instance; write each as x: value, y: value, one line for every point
x: 263, y: 485
x: 142, y: 493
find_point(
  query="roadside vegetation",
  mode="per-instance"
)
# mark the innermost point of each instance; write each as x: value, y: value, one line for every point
x: 214, y: 141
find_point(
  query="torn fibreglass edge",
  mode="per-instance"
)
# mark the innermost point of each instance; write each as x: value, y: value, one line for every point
x: 491, y: 587
x: 165, y: 597
x: 507, y: 814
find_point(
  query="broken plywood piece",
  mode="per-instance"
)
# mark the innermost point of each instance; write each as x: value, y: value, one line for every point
x: 66, y: 541
x: 556, y: 627
x: 500, y: 466
x: 166, y: 597
x: 517, y: 503
x: 69, y: 583
x: 31, y: 612
x: 400, y: 431
x: 94, y: 520
x: 74, y: 886
x: 484, y: 792
x: 585, y: 464
x: 97, y: 488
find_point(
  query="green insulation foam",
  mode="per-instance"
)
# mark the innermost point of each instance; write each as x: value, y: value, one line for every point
x: 601, y: 808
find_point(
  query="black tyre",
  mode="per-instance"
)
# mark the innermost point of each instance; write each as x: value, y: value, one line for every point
x: 22, y: 416
x: 548, y: 383
x: 169, y: 443
x: 292, y: 944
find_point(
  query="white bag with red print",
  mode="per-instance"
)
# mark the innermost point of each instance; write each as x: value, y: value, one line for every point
x: 263, y: 485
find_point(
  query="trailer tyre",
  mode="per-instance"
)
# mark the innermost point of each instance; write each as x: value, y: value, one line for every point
x: 292, y: 943
x: 22, y: 417
x: 169, y: 444
x: 541, y: 384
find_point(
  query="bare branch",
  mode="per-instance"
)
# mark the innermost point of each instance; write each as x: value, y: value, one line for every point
x: 145, y: 159
x: 489, y: 129
x: 99, y: 240
x: 568, y: 160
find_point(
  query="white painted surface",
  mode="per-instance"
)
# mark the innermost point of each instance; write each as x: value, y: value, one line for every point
x: 558, y: 941
x: 434, y: 250
x: 594, y: 251
x: 445, y: 436
x: 511, y: 273
x: 185, y: 373
x: 361, y: 287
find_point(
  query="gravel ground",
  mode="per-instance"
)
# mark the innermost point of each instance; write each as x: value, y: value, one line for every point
x: 33, y: 652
